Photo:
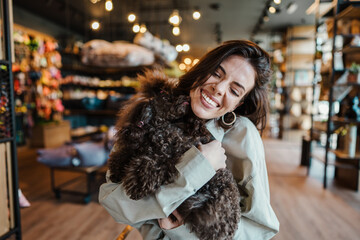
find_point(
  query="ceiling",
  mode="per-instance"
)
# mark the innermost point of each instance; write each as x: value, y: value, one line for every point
x: 221, y: 19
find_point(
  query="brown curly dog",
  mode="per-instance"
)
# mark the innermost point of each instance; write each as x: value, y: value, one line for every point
x: 155, y: 129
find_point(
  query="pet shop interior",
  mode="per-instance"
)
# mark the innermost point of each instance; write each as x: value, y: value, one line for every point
x: 67, y: 67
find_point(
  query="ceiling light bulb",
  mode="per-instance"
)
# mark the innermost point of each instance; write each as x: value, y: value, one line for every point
x: 277, y: 1
x: 272, y: 9
x: 186, y: 47
x: 182, y: 66
x: 179, y: 48
x: 131, y: 17
x: 108, y: 5
x: 143, y: 28
x: 175, y: 18
x: 195, y: 61
x: 196, y: 15
x: 187, y: 61
x: 95, y: 25
x: 176, y: 31
x: 136, y: 28
x: 266, y: 18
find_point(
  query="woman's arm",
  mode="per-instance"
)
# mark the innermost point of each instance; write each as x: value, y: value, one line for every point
x: 113, y: 198
x: 246, y: 159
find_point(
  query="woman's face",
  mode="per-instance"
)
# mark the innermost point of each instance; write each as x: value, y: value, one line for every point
x: 224, y: 89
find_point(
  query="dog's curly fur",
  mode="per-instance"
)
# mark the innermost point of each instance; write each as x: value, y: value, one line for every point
x: 154, y: 130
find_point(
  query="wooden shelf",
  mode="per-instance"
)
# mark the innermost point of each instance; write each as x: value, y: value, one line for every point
x: 90, y: 112
x: 120, y: 89
x: 344, y: 156
x: 331, y: 159
x: 93, y: 70
x: 348, y: 84
x: 349, y: 12
x: 343, y: 121
x: 351, y: 49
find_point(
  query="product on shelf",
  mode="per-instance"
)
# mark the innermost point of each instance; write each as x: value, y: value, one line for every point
x: 37, y: 78
x: 161, y: 48
x: 102, y: 53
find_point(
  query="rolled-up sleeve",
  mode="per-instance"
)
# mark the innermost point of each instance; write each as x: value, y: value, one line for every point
x: 113, y: 198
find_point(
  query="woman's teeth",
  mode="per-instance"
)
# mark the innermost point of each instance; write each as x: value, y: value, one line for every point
x: 208, y: 100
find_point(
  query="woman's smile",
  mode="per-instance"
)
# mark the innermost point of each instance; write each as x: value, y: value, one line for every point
x: 208, y: 100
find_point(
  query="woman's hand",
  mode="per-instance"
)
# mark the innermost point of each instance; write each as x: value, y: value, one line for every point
x: 169, y: 223
x: 214, y: 153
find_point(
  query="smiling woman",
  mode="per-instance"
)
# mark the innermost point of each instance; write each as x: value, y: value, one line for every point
x: 224, y: 89
x: 232, y: 78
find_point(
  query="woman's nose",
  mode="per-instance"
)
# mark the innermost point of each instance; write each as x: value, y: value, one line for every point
x: 219, y: 88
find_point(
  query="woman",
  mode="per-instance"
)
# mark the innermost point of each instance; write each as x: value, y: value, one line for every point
x: 228, y: 81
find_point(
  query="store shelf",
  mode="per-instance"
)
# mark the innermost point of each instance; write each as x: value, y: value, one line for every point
x: 344, y: 121
x: 319, y: 155
x: 344, y: 156
x: 122, y: 89
x: 348, y: 84
x: 336, y: 92
x: 351, y: 50
x: 93, y: 70
x: 349, y: 12
x: 90, y: 112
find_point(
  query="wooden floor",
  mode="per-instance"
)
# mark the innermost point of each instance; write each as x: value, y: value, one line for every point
x: 304, y: 208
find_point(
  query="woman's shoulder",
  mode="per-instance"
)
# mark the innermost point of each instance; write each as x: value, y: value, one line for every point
x: 244, y: 124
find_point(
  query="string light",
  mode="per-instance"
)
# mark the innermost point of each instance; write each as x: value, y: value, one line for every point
x: 131, y: 17
x: 186, y: 47
x: 175, y: 18
x: 182, y: 66
x: 187, y: 61
x: 277, y: 1
x: 179, y: 48
x: 195, y: 61
x: 176, y: 31
x: 143, y: 28
x: 136, y: 28
x: 196, y: 15
x: 95, y: 25
x: 108, y: 5
x: 272, y: 9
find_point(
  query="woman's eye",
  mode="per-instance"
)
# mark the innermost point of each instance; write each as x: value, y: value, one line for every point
x: 234, y: 92
x: 216, y: 74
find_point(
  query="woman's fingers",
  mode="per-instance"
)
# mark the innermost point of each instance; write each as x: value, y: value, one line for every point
x: 168, y: 223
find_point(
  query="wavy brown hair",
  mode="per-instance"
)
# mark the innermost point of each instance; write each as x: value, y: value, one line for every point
x: 255, y: 104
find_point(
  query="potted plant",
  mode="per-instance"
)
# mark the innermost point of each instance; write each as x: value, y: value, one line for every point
x: 354, y: 73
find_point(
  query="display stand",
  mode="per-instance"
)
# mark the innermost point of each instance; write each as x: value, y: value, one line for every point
x: 347, y: 168
x: 9, y: 200
x: 90, y: 173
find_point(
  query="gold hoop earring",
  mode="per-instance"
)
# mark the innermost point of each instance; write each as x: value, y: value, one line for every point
x: 228, y: 123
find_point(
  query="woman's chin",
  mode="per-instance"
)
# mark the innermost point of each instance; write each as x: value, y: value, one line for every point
x: 202, y: 113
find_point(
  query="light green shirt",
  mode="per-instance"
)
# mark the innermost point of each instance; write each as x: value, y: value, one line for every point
x: 245, y: 158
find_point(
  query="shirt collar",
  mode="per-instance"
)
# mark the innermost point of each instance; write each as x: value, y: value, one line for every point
x: 215, y: 130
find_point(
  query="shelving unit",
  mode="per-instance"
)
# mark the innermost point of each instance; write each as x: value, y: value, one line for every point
x: 9, y: 200
x: 298, y: 78
x: 89, y: 109
x: 334, y: 87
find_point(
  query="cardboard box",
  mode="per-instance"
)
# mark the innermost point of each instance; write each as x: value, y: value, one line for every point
x: 51, y: 135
